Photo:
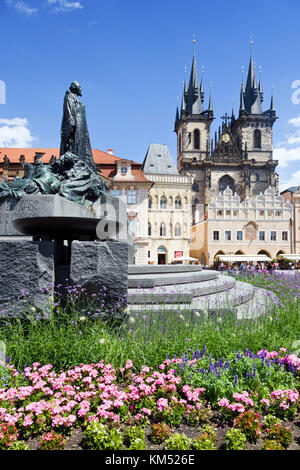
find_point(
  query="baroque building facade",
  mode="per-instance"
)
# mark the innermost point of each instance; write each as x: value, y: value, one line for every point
x: 169, y: 208
x: 240, y: 154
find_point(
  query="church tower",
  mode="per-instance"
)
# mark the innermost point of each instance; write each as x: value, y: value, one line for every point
x: 253, y: 132
x: 192, y: 126
x: 240, y: 155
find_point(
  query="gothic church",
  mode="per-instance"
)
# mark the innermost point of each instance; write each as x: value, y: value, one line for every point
x: 239, y: 156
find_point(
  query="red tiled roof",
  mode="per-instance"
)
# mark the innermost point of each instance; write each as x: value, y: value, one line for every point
x: 105, y: 160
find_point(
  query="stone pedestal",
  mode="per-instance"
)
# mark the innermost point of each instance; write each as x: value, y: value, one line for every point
x: 27, y: 276
x: 102, y: 269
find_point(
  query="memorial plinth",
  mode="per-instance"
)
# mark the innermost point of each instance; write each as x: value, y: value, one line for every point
x: 46, y: 239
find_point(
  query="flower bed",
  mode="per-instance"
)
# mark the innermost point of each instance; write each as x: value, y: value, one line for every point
x: 116, y: 404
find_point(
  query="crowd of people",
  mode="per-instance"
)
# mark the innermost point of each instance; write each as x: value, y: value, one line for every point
x: 251, y: 267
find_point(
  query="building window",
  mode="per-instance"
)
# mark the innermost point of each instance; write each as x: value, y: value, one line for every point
x: 239, y: 235
x: 149, y: 202
x: 131, y: 197
x: 278, y: 213
x: 162, y: 230
x: 177, y: 230
x: 163, y: 202
x: 115, y: 193
x: 177, y: 203
x: 149, y: 230
x: 284, y: 236
x: 273, y: 236
x: 149, y: 253
x: 196, y: 139
x: 261, y: 213
x: 220, y: 213
x: 261, y: 236
x: 227, y: 235
x: 216, y: 236
x: 257, y: 139
x: 132, y: 228
x: 228, y: 213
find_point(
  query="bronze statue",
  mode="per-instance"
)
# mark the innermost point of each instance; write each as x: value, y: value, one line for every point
x: 74, y: 131
x: 72, y: 176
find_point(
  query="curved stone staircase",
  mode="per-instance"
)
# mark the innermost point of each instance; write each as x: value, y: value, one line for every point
x: 188, y: 288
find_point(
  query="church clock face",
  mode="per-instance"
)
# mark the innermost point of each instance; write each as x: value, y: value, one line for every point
x: 226, y: 138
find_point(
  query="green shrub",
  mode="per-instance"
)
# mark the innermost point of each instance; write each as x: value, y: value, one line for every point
x: 160, y: 432
x: 281, y: 434
x: 138, y: 444
x: 8, y: 435
x: 249, y: 423
x: 178, y: 442
x: 52, y: 441
x: 235, y: 439
x: 132, y: 433
x: 19, y: 445
x: 199, y: 416
x: 100, y: 437
x: 270, y: 444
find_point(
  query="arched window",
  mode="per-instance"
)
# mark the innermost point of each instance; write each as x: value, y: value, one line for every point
x: 177, y: 203
x: 196, y: 139
x: 149, y: 202
x: 257, y: 139
x: 225, y: 181
x: 163, y: 202
x: 177, y: 230
x: 149, y: 230
x: 162, y: 230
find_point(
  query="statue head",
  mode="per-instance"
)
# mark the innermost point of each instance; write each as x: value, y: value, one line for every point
x: 75, y: 88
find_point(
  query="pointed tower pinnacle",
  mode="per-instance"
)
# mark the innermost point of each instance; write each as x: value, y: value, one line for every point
x: 272, y: 106
x: 252, y: 97
x: 210, y: 103
x: 193, y: 99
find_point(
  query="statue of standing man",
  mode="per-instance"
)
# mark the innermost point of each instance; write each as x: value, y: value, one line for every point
x: 74, y: 131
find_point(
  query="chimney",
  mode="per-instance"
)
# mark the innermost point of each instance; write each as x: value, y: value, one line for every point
x: 110, y: 151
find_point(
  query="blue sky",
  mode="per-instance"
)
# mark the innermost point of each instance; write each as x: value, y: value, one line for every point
x: 129, y: 57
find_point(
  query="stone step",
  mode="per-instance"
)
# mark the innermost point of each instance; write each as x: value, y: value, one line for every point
x: 162, y: 268
x: 181, y: 293
x: 221, y: 301
x: 169, y: 278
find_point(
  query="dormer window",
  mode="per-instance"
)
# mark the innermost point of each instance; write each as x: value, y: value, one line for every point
x: 123, y: 170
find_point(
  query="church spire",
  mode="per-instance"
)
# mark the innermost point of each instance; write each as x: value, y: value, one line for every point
x: 252, y: 96
x: 193, y: 96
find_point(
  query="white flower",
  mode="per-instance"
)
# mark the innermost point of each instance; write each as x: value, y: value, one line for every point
x: 102, y: 340
x: 131, y: 320
x: 82, y: 318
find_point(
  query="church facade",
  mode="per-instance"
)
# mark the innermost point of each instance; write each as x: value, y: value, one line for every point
x: 239, y: 155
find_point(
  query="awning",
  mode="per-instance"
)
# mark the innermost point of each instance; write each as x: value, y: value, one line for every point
x: 290, y: 256
x: 185, y: 258
x: 240, y: 258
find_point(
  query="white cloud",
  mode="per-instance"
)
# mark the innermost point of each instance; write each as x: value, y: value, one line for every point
x: 294, y: 180
x: 22, y: 7
x: 64, y: 5
x: 14, y: 133
x: 284, y: 155
x: 289, y: 150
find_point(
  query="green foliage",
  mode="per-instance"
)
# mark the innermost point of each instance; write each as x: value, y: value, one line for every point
x: 8, y: 435
x: 132, y: 433
x: 52, y: 441
x: 70, y: 337
x: 249, y: 423
x: 206, y: 440
x: 270, y: 444
x: 270, y: 420
x: 19, y: 445
x: 199, y: 416
x: 172, y: 415
x: 99, y: 437
x: 138, y: 444
x: 178, y: 442
x: 280, y: 434
x: 160, y: 432
x: 235, y: 439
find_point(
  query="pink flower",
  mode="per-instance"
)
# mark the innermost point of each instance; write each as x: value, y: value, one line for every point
x: 223, y: 402
x: 162, y: 403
